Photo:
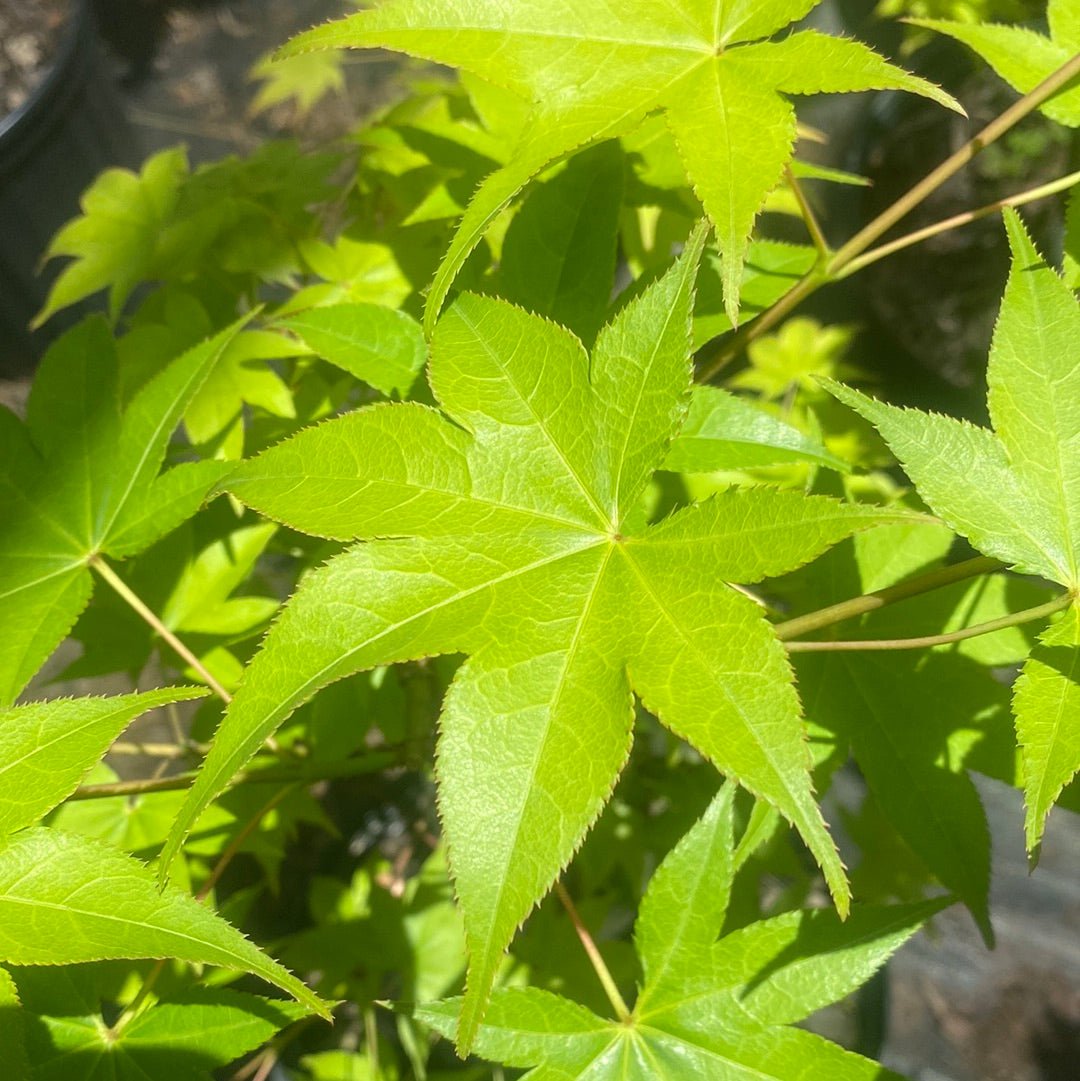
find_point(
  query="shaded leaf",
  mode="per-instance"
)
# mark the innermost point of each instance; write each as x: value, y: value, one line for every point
x: 65, y: 899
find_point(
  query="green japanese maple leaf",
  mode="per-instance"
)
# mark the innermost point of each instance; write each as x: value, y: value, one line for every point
x: 1014, y: 492
x: 721, y: 1010
x: 81, y: 478
x: 182, y: 1039
x: 595, y: 70
x: 1024, y: 57
x: 508, y: 528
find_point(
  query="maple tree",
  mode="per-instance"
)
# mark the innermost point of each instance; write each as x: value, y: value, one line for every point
x: 530, y: 564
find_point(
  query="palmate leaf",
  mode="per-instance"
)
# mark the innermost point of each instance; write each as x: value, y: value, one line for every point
x: 1014, y: 492
x: 513, y: 535
x: 707, y: 1008
x: 81, y: 479
x: 1023, y: 57
x: 708, y: 65
x: 182, y: 1039
x: 46, y: 748
x: 65, y: 899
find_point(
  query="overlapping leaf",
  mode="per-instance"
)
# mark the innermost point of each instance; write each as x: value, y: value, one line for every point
x: 513, y: 534
x: 81, y: 479
x: 1014, y: 492
x: 182, y: 1039
x: 722, y: 431
x: 46, y: 748
x: 708, y: 65
x: 1023, y: 57
x: 707, y: 1008
x: 65, y: 899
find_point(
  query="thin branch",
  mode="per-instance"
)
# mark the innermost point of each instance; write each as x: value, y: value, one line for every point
x: 156, y: 750
x: 957, y: 221
x: 622, y: 1011
x: 1028, y: 615
x: 862, y: 240
x: 810, y: 219
x: 166, y: 635
x: 869, y: 602
x: 385, y: 758
x: 993, y: 131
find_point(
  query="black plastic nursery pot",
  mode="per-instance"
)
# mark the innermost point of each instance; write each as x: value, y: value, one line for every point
x: 70, y: 128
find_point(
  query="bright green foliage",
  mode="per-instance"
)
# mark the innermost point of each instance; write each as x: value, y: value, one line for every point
x: 239, y: 378
x: 182, y: 1039
x: 381, y: 346
x: 201, y: 601
x: 722, y: 431
x: 558, y: 255
x: 81, y: 479
x: 707, y: 1008
x: 303, y: 80
x: 46, y: 748
x: 1047, y: 704
x: 115, y: 241
x: 65, y: 899
x: 521, y: 544
x: 1015, y: 492
x: 1023, y: 57
x: 794, y: 358
x: 707, y: 64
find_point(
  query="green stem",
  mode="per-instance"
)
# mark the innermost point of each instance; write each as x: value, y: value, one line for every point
x: 1043, y: 191
x: 234, y: 846
x: 135, y: 1007
x: 163, y: 632
x: 993, y: 131
x: 869, y: 602
x: 618, y: 1004
x: 325, y: 771
x: 810, y: 219
x: 1028, y: 615
x: 862, y: 240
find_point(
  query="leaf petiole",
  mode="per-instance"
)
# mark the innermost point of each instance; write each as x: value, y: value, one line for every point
x: 1014, y: 619
x: 147, y: 615
x: 618, y: 1003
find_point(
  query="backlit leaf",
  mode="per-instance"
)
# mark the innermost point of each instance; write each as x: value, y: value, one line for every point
x: 703, y: 63
x: 512, y: 534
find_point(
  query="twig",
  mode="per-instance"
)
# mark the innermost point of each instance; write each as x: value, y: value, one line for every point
x: 892, y: 214
x: 300, y: 774
x: 813, y: 226
x: 869, y: 602
x: 1028, y: 615
x: 958, y: 220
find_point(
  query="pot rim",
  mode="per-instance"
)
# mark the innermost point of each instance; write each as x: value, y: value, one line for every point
x: 16, y: 122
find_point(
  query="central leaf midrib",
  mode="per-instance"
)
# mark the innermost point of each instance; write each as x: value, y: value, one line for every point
x: 571, y: 650
x: 315, y: 681
x: 537, y: 419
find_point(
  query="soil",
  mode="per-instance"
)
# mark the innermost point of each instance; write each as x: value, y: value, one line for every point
x: 31, y: 32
